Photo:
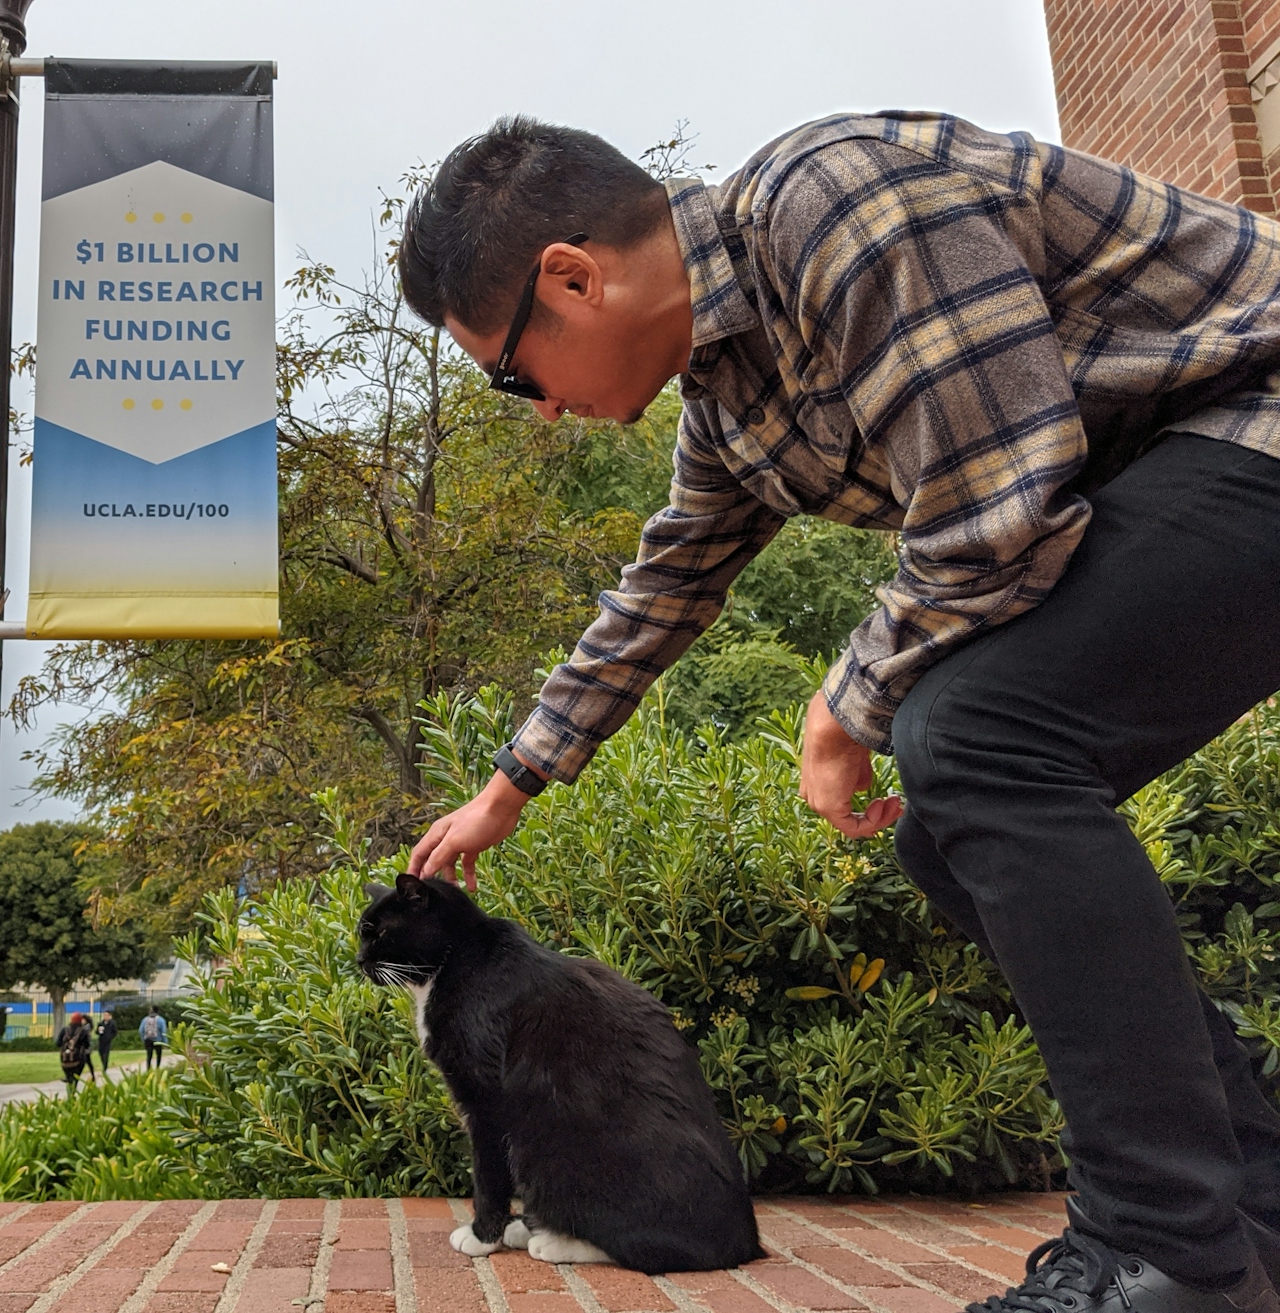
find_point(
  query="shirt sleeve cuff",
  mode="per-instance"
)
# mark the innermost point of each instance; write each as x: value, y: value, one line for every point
x: 866, y: 721
x: 551, y: 747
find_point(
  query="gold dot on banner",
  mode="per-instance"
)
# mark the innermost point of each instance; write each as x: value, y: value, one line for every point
x: 131, y: 217
x: 185, y: 403
x: 157, y: 404
x: 186, y: 218
x: 158, y: 217
x: 127, y: 403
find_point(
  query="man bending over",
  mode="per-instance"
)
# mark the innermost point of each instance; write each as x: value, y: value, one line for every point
x: 1051, y: 378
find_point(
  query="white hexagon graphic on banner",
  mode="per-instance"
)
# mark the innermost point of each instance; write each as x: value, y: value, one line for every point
x: 157, y: 314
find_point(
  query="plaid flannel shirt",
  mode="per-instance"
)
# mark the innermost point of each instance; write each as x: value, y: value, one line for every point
x: 903, y: 322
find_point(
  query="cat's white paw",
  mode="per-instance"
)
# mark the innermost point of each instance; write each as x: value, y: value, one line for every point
x: 517, y: 1234
x: 551, y: 1247
x: 464, y: 1241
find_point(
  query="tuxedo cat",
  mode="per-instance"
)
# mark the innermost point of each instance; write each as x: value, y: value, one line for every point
x: 577, y: 1092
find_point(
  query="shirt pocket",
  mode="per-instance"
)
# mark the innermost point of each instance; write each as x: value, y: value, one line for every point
x: 751, y: 462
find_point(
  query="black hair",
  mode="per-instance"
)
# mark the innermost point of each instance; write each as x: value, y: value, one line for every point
x: 477, y: 228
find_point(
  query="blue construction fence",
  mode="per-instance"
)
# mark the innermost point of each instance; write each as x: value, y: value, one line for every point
x: 28, y: 1020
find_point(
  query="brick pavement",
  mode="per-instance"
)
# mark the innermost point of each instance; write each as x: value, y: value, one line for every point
x: 904, y: 1255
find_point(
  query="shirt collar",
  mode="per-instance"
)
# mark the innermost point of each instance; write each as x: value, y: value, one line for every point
x: 720, y: 308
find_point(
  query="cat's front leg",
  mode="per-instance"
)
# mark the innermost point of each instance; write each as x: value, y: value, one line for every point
x: 491, y: 1186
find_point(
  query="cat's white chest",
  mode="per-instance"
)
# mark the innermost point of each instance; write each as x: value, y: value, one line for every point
x: 421, y: 993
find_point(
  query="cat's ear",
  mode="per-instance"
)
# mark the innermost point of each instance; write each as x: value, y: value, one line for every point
x: 409, y: 886
x: 376, y: 892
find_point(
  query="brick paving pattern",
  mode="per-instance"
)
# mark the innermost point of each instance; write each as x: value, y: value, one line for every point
x: 852, y: 1255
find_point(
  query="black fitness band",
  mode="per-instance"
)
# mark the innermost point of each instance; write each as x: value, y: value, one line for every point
x: 517, y: 772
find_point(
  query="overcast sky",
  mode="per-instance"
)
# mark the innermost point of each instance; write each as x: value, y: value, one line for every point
x: 367, y: 90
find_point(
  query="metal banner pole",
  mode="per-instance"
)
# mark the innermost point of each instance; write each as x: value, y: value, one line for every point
x: 13, y: 41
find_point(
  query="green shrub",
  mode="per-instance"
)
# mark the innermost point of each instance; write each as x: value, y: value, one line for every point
x: 853, y: 1042
x: 300, y: 1078
x: 28, y: 1044
x: 104, y: 1142
x: 303, y: 1078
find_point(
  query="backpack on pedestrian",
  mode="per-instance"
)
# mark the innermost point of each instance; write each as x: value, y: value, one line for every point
x: 75, y: 1046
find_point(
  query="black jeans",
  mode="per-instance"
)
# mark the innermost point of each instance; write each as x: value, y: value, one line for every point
x: 155, y: 1049
x: 1014, y: 752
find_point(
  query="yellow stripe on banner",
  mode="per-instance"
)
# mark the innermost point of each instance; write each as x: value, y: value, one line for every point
x: 153, y: 615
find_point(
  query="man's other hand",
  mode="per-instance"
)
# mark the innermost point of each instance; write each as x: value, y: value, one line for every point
x: 833, y: 768
x: 464, y: 834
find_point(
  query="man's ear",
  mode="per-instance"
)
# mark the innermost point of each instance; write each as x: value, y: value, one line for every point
x: 409, y: 886
x: 376, y: 892
x: 570, y: 274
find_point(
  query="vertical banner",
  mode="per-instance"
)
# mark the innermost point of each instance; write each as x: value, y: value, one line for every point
x: 154, y: 509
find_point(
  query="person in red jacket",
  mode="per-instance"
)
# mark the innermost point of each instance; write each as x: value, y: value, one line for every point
x: 74, y: 1043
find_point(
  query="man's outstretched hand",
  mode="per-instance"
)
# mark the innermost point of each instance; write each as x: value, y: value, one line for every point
x: 464, y: 834
x: 833, y: 768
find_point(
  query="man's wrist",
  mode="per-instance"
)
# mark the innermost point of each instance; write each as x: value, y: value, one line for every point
x: 822, y: 723
x: 525, y: 777
x: 504, y: 795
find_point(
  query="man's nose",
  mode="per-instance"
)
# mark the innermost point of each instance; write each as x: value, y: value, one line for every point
x: 551, y: 409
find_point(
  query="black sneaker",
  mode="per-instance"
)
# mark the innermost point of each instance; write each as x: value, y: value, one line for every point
x: 1078, y: 1274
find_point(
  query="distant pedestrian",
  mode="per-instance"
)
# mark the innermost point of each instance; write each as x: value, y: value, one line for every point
x: 75, y: 1043
x: 4, y: 1020
x: 155, y: 1035
x: 107, y: 1031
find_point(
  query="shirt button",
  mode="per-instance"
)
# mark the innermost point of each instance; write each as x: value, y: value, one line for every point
x: 755, y: 415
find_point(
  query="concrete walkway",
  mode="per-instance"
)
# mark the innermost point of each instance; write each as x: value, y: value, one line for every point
x: 850, y: 1255
x: 28, y: 1093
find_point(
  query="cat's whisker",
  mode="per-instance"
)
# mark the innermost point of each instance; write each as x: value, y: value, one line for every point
x: 402, y: 975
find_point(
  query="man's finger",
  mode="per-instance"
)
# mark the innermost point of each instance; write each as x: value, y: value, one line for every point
x: 880, y: 814
x: 845, y: 821
x: 469, y: 870
x: 442, y: 860
x: 885, y: 811
x: 426, y: 846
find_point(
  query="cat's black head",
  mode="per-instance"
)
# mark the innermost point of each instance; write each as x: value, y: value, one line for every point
x: 407, y: 933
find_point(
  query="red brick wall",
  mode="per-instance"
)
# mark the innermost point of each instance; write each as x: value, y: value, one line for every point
x: 1161, y: 85
x: 1261, y: 36
x: 1261, y: 25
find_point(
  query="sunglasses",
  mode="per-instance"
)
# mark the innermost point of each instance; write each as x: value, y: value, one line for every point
x: 505, y: 379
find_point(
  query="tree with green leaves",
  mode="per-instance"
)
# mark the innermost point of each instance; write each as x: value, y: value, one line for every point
x: 426, y: 546
x: 47, y: 937
x: 435, y: 536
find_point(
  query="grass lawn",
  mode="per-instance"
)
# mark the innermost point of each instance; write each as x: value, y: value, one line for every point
x: 29, y: 1068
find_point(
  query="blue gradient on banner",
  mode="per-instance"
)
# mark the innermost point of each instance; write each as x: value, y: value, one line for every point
x: 239, y: 470
x: 102, y: 519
